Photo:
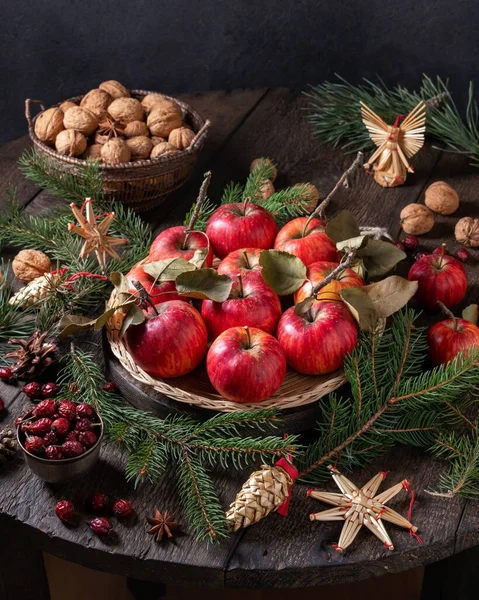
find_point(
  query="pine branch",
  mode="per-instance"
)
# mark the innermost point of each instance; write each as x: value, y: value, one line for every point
x: 287, y: 204
x: 233, y: 193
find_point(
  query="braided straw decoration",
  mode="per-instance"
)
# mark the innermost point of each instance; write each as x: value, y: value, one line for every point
x: 264, y: 492
x: 195, y: 388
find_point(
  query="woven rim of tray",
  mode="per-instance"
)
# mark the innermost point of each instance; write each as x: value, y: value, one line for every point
x: 195, y: 388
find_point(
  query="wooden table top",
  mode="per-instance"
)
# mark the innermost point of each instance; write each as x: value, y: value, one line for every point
x: 280, y: 552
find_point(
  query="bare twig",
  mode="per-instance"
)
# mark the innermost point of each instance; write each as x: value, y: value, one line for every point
x: 334, y: 273
x: 198, y: 206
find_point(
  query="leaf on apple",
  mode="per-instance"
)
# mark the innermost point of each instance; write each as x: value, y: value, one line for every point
x: 134, y: 316
x: 361, y: 307
x: 204, y: 284
x: 120, y: 282
x: 471, y: 313
x: 302, y: 307
x: 282, y: 271
x: 380, y: 257
x: 199, y: 257
x: 168, y: 269
x: 355, y: 243
x: 342, y: 227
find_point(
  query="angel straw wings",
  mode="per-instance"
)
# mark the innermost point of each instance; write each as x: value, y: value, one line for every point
x: 396, y: 143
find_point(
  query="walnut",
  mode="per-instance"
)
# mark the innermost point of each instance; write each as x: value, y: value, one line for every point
x: 162, y: 149
x: 97, y: 101
x: 115, y: 89
x: 115, y: 151
x: 101, y: 139
x: 269, y: 162
x: 135, y: 128
x: 441, y: 198
x: 140, y: 146
x: 161, y: 121
x: 64, y: 106
x: 155, y: 140
x: 416, y: 219
x: 126, y: 110
x: 30, y: 264
x: 181, y: 137
x: 93, y: 152
x: 154, y: 101
x: 467, y: 232
x: 48, y: 125
x: 80, y: 119
x: 265, y: 191
x: 311, y: 194
x: 70, y: 142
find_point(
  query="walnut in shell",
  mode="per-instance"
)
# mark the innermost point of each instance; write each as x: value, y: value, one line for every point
x: 441, y: 198
x: 30, y: 264
x: 140, y: 146
x: 416, y: 219
x: 80, y: 119
x: 155, y: 140
x: 115, y: 151
x: 97, y: 101
x: 162, y: 149
x: 151, y: 101
x: 181, y: 137
x: 161, y: 122
x: 126, y: 110
x: 48, y: 125
x: 269, y: 162
x: 265, y: 191
x: 70, y: 142
x: 115, y: 89
x: 93, y: 152
x: 136, y: 128
x: 64, y: 106
x: 467, y: 232
x: 311, y: 194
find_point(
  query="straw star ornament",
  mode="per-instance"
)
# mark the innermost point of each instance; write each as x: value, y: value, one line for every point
x: 361, y: 506
x: 95, y: 234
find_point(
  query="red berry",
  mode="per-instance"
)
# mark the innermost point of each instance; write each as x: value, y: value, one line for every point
x: 2, y: 406
x: 85, y: 410
x: 463, y: 255
x: 411, y: 242
x: 54, y: 453
x: 67, y: 409
x: 38, y: 427
x: 45, y: 408
x: 34, y: 445
x: 61, y: 426
x: 32, y: 390
x: 19, y: 420
x: 99, y: 503
x: 71, y: 436
x: 400, y: 245
x: 87, y: 438
x: 71, y: 449
x: 65, y: 511
x: 5, y: 374
x: 123, y: 509
x: 109, y: 386
x: 50, y: 390
x: 50, y: 439
x: 100, y: 526
x: 420, y: 255
x: 83, y: 425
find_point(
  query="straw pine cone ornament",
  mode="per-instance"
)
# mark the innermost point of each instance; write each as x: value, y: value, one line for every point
x: 35, y: 290
x: 265, y: 491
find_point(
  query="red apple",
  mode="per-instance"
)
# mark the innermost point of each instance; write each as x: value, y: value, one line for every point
x: 318, y: 271
x: 158, y: 292
x: 317, y: 342
x: 251, y: 302
x: 175, y: 242
x: 246, y: 364
x: 240, y: 261
x: 240, y: 225
x: 440, y: 278
x: 169, y: 344
x: 447, y: 338
x: 310, y: 243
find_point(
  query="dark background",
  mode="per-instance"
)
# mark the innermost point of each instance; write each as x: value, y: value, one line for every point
x: 53, y: 49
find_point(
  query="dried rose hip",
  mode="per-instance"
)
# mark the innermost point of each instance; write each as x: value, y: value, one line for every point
x: 85, y: 410
x: 54, y: 453
x: 34, y: 445
x: 45, y: 408
x: 72, y: 449
x: 67, y: 409
x: 100, y: 526
x: 123, y: 509
x: 65, y: 511
x: 87, y: 438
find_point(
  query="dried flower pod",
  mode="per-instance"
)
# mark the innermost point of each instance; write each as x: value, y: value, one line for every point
x: 115, y: 151
x: 93, y: 152
x: 135, y: 128
x: 70, y: 142
x: 140, y: 147
x: 97, y: 101
x: 441, y: 198
x: 80, y: 119
x: 64, y: 106
x: 416, y: 219
x: 467, y: 232
x: 270, y: 163
x: 48, y: 125
x: 159, y: 101
x: 115, y: 89
x: 30, y: 264
x: 265, y: 191
x: 155, y: 140
x: 181, y: 137
x: 161, y: 121
x: 126, y: 110
x: 311, y: 194
x: 162, y: 149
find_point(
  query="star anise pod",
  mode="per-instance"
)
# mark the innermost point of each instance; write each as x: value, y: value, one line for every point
x: 110, y: 128
x: 163, y: 523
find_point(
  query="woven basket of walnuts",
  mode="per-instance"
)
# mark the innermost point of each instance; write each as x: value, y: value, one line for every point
x: 146, y: 143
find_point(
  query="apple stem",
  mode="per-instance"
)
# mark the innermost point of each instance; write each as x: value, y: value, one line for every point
x: 198, y: 206
x: 245, y: 203
x: 240, y: 283
x: 444, y: 248
x: 448, y: 313
x: 245, y: 256
x: 319, y: 210
x: 248, y: 335
x: 346, y: 263
x: 144, y: 297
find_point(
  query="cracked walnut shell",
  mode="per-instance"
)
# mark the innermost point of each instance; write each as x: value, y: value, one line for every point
x: 441, y: 198
x: 467, y: 232
x: 126, y: 110
x: 48, y: 125
x: 70, y: 142
x: 416, y: 219
x: 97, y: 101
x: 80, y: 119
x: 181, y: 137
x: 30, y: 264
x: 115, y: 151
x: 115, y: 89
x: 161, y: 122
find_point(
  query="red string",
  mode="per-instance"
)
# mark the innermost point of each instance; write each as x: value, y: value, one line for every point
x: 384, y: 474
x: 338, y: 548
x: 398, y: 118
x: 415, y: 535
x: 407, y: 486
x: 86, y: 274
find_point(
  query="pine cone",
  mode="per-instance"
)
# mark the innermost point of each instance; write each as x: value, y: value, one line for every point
x: 264, y: 492
x: 37, y: 289
x: 8, y: 445
x: 33, y: 356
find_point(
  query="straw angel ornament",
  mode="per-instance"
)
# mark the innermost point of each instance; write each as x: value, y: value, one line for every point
x: 396, y: 143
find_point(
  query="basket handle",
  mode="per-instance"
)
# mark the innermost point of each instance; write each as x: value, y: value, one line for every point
x: 199, y: 137
x: 28, y: 109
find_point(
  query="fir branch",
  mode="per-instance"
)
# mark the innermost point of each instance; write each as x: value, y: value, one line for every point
x: 207, y: 209
x: 264, y: 170
x: 287, y: 204
x: 233, y: 193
